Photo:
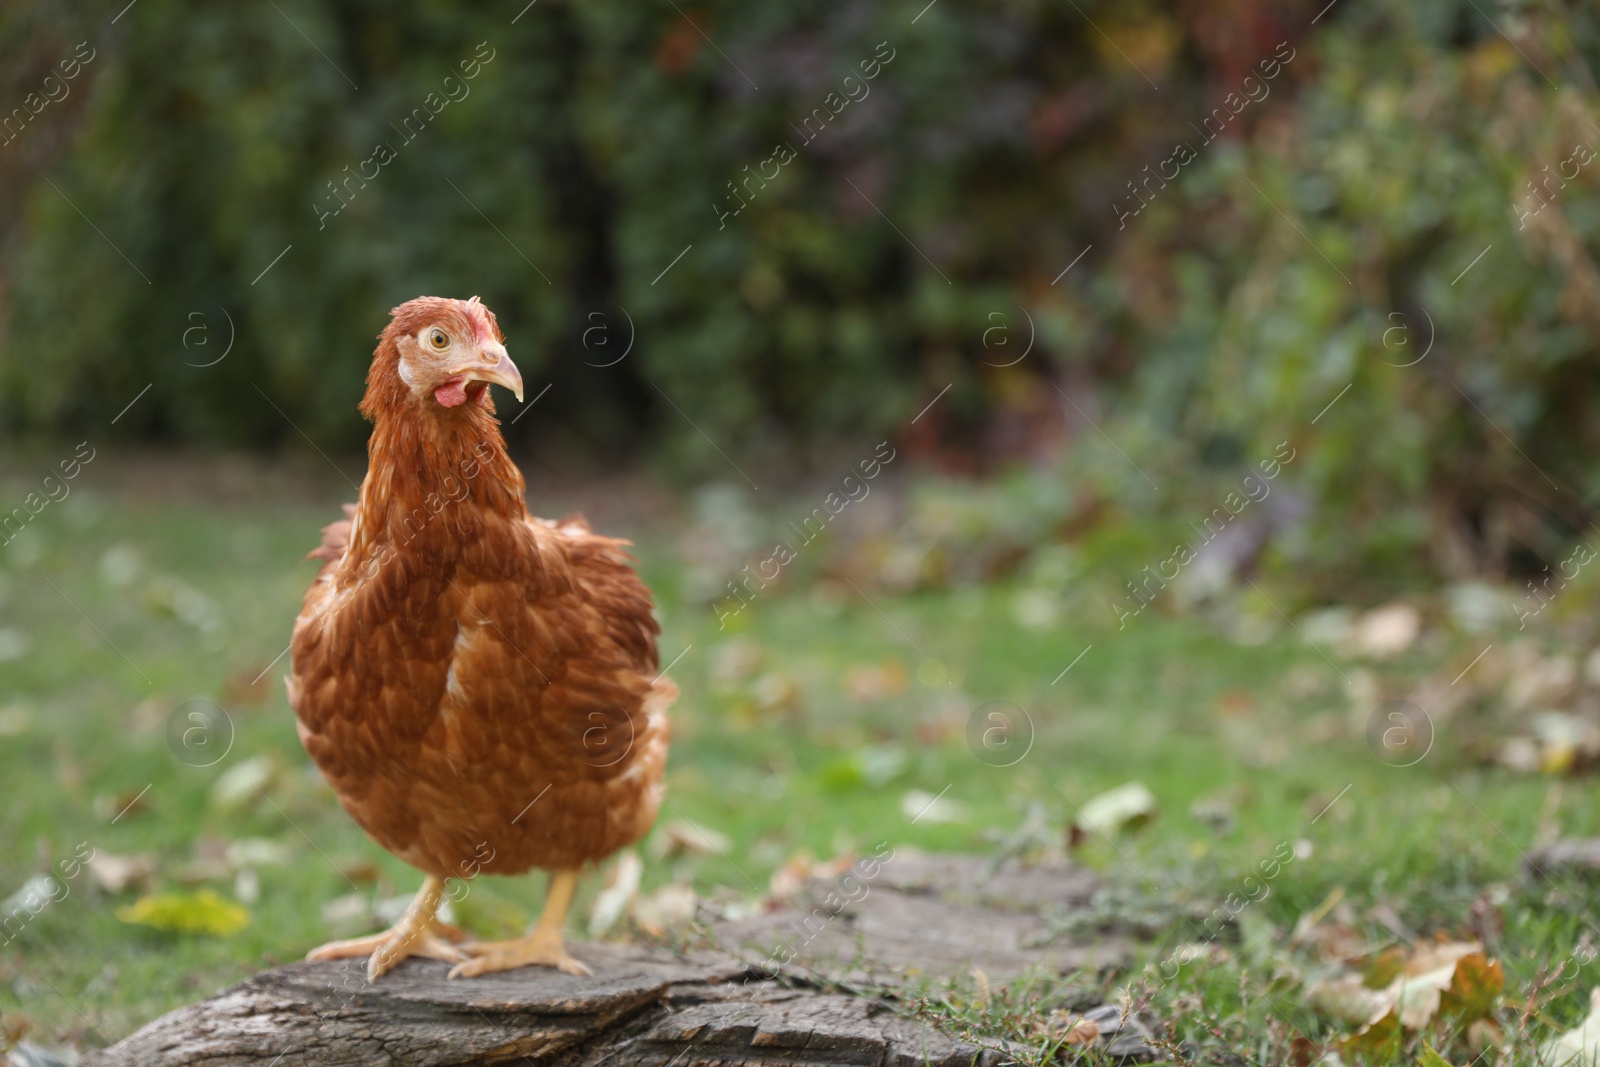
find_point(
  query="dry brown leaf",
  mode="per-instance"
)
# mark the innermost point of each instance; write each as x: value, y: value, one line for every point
x: 1129, y: 806
x: 1451, y: 978
x: 1386, y: 631
x: 1478, y: 983
x: 800, y: 868
x: 733, y: 661
x: 1385, y: 967
x: 1346, y: 998
x: 115, y: 873
x: 776, y: 691
x: 363, y: 871
x: 668, y: 907
x: 1081, y: 1032
x: 1484, y: 1034
x: 873, y: 681
x: 681, y: 837
x: 1067, y: 1028
x: 1578, y: 1047
x: 622, y: 886
x: 250, y: 687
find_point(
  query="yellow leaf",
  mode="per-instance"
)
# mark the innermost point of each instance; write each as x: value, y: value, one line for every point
x: 187, y: 913
x: 1430, y: 1058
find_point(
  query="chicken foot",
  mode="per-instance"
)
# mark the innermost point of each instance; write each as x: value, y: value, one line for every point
x: 418, y: 933
x: 544, y: 946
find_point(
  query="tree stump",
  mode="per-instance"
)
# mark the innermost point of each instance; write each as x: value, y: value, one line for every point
x: 759, y: 995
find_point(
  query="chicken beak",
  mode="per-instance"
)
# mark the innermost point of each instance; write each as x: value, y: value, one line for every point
x: 501, y: 372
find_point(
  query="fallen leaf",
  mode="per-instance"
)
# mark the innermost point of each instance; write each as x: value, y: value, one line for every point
x: 684, y: 837
x: 1520, y: 754
x: 121, y: 565
x: 870, y: 682
x: 1579, y: 1047
x: 882, y: 764
x: 241, y: 784
x: 1385, y: 967
x: 1565, y: 741
x: 1430, y: 1058
x: 1484, y: 1034
x: 1327, y: 626
x: 734, y: 661
x: 148, y: 716
x: 1448, y: 978
x: 1346, y: 998
x: 257, y: 852
x: 14, y: 644
x: 1476, y: 989
x: 670, y: 906
x: 1120, y: 1034
x: 35, y: 893
x: 15, y: 720
x: 1541, y: 680
x: 250, y: 687
x: 1303, y: 1053
x: 776, y: 690
x: 364, y: 871
x: 203, y: 912
x: 1380, y: 1036
x: 1417, y: 997
x: 1036, y: 609
x: 1216, y: 810
x: 800, y: 868
x: 349, y: 913
x: 1234, y: 704
x: 1127, y: 807
x: 944, y: 726
x: 112, y: 808
x: 928, y: 808
x: 1081, y: 1032
x: 622, y: 886
x: 115, y: 873
x: 1386, y: 631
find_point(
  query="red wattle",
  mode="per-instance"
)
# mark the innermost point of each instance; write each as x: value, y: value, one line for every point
x: 452, y: 393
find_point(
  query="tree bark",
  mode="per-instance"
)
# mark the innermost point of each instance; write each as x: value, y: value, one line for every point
x: 736, y: 1003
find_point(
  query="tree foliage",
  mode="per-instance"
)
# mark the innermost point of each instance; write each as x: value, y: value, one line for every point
x: 902, y: 232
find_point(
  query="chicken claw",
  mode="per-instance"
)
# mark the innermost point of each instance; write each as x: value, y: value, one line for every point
x: 544, y: 947
x: 535, y: 950
x: 418, y: 933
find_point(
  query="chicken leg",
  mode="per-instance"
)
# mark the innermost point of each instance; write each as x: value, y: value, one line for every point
x: 418, y: 933
x: 544, y: 946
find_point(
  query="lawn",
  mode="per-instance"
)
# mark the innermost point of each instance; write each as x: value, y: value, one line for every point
x: 803, y: 726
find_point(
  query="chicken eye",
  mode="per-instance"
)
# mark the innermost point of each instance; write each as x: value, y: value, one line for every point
x: 438, y: 339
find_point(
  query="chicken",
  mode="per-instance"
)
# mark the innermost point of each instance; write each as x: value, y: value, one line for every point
x: 480, y: 688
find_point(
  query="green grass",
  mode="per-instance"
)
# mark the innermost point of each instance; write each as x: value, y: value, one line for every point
x: 132, y: 608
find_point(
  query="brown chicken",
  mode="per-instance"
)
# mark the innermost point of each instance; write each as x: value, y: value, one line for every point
x: 480, y: 687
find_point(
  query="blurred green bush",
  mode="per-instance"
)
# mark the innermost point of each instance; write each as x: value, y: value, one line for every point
x: 1318, y: 242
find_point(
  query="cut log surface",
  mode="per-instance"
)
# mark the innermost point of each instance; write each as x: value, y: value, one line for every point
x: 1568, y: 857
x: 641, y: 1007
x: 925, y: 917
x: 760, y: 996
